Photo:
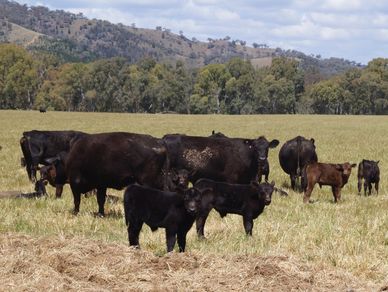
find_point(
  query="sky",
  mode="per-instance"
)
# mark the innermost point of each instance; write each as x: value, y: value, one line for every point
x: 356, y: 30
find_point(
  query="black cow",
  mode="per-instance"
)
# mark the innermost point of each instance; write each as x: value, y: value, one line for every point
x: 247, y: 200
x: 114, y: 160
x: 370, y: 172
x: 42, y: 109
x: 232, y: 160
x: 37, y: 146
x: 174, y: 211
x: 295, y: 154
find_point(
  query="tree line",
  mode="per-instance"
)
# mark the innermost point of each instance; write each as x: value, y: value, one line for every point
x: 40, y: 80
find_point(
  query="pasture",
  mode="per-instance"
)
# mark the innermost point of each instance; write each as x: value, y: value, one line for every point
x: 319, y: 246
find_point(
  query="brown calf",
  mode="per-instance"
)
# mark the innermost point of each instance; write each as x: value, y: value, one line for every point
x: 334, y: 175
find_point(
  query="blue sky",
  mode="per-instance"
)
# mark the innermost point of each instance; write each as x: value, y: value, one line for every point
x: 352, y: 29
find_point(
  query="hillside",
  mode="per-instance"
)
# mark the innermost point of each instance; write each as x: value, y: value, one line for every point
x: 73, y: 37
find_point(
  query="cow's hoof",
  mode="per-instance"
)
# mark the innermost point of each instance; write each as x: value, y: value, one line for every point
x: 75, y: 213
x: 99, y: 215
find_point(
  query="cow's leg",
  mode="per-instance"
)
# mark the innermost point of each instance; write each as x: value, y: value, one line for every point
x: 134, y: 228
x: 266, y: 177
x: 101, y: 197
x: 377, y: 187
x: 58, y: 191
x: 359, y: 184
x: 369, y: 188
x: 248, y: 224
x: 182, y: 239
x: 336, y: 193
x: 365, y: 186
x: 307, y: 193
x: 293, y: 179
x: 77, y: 200
x: 200, y: 223
x: 171, y: 238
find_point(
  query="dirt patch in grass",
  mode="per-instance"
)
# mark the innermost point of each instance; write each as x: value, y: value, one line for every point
x: 76, y: 263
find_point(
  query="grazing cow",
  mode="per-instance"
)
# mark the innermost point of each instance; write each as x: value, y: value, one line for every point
x: 247, y: 200
x: 232, y: 160
x: 294, y: 155
x: 37, y: 146
x: 174, y: 211
x: 42, y: 109
x: 370, y: 172
x: 334, y: 175
x: 114, y: 160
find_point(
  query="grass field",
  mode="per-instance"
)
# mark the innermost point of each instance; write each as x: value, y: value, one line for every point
x: 349, y: 240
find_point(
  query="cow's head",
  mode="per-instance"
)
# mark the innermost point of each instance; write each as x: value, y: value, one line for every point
x: 181, y: 177
x: 345, y: 169
x: 261, y: 146
x: 48, y: 173
x: 264, y: 191
x: 192, y: 199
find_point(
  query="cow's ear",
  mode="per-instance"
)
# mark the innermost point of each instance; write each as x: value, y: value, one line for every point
x: 339, y: 167
x: 354, y: 165
x: 273, y: 143
x: 312, y: 141
x: 377, y: 162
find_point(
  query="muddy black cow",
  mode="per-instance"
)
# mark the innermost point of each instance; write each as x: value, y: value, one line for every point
x: 334, y: 175
x: 174, y: 211
x: 114, y: 160
x: 38, y: 146
x: 232, y: 160
x: 368, y: 170
x: 295, y: 154
x: 247, y: 200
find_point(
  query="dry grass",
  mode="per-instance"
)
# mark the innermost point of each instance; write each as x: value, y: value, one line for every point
x: 321, y: 246
x: 75, y: 263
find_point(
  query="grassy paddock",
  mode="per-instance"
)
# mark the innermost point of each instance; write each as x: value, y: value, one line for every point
x: 352, y: 235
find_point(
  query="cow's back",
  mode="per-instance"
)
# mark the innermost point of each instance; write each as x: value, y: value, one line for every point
x: 115, y: 160
x: 221, y: 159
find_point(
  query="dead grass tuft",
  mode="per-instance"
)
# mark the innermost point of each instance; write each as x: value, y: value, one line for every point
x: 76, y: 263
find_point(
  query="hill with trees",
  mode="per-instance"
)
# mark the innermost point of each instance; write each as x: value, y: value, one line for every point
x: 75, y: 38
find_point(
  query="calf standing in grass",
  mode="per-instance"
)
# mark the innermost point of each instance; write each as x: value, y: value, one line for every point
x: 370, y: 172
x: 247, y: 200
x: 334, y: 175
x: 174, y: 211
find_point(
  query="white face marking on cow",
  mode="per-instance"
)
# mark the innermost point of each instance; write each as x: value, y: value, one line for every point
x: 198, y: 159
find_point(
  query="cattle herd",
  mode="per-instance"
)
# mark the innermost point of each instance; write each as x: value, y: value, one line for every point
x: 225, y: 174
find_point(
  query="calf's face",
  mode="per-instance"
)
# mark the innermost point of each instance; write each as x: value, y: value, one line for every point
x: 192, y: 199
x: 264, y: 191
x: 345, y: 168
x: 261, y: 146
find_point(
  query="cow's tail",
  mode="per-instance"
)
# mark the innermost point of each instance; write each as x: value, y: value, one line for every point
x: 298, y: 146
